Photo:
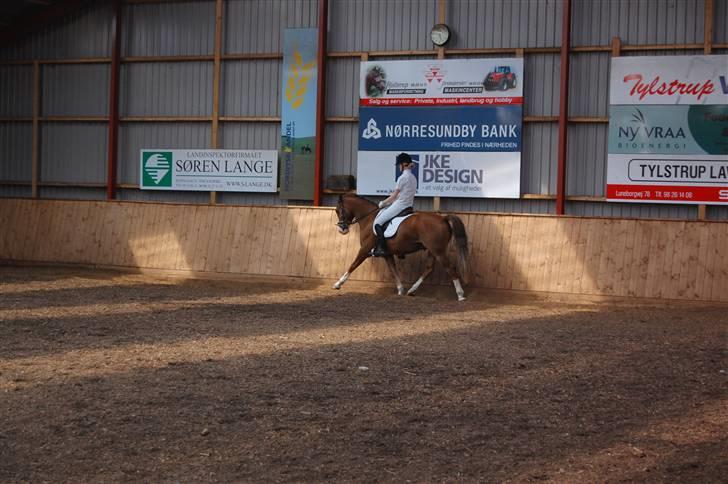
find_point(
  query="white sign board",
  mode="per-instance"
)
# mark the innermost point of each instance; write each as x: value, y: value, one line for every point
x: 668, y: 130
x: 442, y: 82
x: 209, y: 170
x: 460, y: 120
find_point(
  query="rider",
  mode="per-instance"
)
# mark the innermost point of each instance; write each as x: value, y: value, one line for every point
x: 402, y: 197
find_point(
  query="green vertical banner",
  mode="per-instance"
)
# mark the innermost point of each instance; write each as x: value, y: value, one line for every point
x: 298, y: 113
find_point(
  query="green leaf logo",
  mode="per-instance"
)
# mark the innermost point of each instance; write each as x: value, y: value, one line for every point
x: 157, y: 168
x: 639, y: 118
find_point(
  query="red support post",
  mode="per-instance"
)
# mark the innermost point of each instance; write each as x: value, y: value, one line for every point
x: 320, y: 100
x: 113, y: 138
x: 563, y: 106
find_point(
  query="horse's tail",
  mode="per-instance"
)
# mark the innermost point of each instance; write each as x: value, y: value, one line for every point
x: 461, y: 241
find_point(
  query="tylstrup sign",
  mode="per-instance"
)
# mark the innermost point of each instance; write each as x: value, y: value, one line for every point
x: 460, y: 120
x: 668, y: 130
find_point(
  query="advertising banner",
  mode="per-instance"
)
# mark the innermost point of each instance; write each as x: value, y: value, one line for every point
x: 452, y: 81
x: 674, y: 130
x: 450, y: 128
x: 298, y: 113
x: 668, y: 130
x: 445, y: 174
x: 460, y: 120
x: 696, y: 79
x: 209, y: 170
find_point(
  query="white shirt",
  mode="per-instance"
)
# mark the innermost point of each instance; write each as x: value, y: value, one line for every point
x: 407, y: 186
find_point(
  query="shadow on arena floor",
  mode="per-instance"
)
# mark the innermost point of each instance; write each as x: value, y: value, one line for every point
x: 360, y: 391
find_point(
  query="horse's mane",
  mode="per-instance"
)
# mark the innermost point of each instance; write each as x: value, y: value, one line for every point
x: 354, y: 195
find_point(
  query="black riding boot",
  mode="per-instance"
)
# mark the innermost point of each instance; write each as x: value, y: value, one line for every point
x: 380, y: 246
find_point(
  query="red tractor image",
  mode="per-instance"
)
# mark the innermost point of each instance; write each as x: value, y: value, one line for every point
x: 500, y: 78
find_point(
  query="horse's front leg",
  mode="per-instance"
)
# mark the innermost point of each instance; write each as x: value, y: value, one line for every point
x: 360, y: 257
x: 393, y: 269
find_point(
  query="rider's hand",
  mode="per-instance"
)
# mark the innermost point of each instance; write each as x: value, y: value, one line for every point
x: 382, y: 204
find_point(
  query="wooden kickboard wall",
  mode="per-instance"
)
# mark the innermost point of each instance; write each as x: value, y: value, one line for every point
x: 594, y: 256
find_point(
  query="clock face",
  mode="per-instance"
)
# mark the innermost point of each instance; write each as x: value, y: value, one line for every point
x: 440, y: 34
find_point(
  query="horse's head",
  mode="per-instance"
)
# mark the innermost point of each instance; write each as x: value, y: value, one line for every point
x: 352, y: 209
x: 345, y: 216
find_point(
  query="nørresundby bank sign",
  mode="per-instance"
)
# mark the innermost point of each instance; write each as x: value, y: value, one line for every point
x: 209, y: 170
x: 459, y: 119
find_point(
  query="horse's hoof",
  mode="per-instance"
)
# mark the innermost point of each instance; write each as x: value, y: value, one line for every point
x: 461, y: 298
x: 337, y: 287
x: 410, y: 293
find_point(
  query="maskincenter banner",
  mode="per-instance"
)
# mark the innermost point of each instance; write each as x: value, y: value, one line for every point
x: 460, y: 120
x: 668, y: 130
x: 209, y: 170
x: 298, y: 113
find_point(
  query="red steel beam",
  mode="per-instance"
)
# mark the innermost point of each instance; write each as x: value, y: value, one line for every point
x: 563, y: 106
x: 323, y: 23
x: 113, y: 138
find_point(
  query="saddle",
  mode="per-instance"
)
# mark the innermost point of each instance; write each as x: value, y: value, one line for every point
x: 391, y: 226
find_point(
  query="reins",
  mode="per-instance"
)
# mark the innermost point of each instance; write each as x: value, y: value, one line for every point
x: 357, y: 220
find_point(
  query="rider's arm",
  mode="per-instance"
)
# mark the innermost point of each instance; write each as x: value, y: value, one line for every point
x: 391, y: 198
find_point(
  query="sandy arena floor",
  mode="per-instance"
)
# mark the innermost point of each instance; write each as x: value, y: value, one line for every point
x: 108, y: 376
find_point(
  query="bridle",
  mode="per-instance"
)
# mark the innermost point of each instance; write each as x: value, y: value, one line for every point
x: 343, y: 225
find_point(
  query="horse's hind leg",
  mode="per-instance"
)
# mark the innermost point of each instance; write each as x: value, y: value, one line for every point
x: 428, y: 270
x: 393, y: 268
x: 445, y: 261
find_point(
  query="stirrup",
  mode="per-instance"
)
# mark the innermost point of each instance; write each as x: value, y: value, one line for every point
x: 379, y: 252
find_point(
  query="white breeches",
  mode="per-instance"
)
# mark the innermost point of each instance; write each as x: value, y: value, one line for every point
x: 388, y: 213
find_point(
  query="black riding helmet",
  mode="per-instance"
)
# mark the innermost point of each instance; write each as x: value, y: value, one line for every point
x: 403, y: 158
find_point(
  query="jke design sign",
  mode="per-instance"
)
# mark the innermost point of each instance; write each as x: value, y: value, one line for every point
x: 668, y: 130
x: 209, y: 170
x: 460, y: 120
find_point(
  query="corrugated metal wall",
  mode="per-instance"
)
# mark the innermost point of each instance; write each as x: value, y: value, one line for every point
x: 17, y: 90
x: 16, y: 85
x: 379, y: 25
x: 251, y: 88
x: 504, y: 23
x: 73, y: 152
x: 720, y: 23
x: 638, y: 22
x: 15, y: 150
x: 186, y: 28
x: 256, y: 26
x: 84, y: 33
x: 76, y: 152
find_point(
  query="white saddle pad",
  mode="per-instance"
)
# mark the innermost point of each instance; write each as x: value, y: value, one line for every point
x: 391, y: 229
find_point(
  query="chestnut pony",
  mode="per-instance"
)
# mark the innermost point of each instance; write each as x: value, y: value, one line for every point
x: 422, y: 231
